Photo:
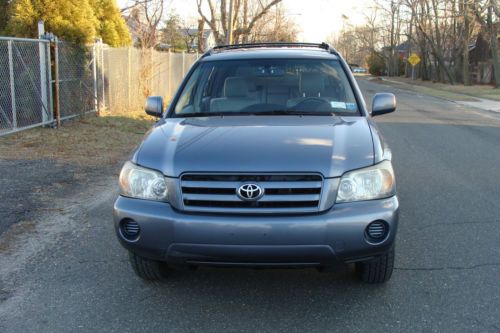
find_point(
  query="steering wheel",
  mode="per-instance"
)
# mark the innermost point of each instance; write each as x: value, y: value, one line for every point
x: 313, y: 104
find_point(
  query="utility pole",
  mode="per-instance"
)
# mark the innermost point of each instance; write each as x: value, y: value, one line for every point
x: 229, y: 37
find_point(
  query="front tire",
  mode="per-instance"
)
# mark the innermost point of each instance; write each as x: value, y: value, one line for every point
x: 378, y: 270
x: 148, y: 269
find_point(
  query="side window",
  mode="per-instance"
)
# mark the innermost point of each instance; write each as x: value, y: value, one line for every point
x: 185, y: 103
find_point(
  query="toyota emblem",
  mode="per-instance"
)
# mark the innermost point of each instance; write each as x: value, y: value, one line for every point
x: 250, y: 192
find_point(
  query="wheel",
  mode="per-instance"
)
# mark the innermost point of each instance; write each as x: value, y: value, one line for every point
x: 378, y: 270
x: 148, y: 269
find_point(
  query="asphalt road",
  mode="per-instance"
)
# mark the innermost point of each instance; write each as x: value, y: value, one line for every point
x: 447, y: 160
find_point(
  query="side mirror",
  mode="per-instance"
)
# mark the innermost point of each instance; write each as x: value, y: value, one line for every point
x: 383, y: 103
x: 154, y: 106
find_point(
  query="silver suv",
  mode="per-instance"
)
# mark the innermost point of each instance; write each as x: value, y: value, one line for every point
x: 266, y: 157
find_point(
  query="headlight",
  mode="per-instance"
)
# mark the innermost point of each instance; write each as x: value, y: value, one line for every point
x: 142, y: 183
x: 375, y: 182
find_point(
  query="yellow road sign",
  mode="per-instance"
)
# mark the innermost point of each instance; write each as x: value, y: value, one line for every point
x: 414, y: 59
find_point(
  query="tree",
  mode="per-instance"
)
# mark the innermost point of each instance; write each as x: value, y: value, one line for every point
x: 146, y: 16
x: 245, y: 15
x: 71, y: 20
x: 171, y: 32
x: 4, y: 14
x: 189, y: 36
x: 376, y: 64
x: 112, y: 28
x: 490, y: 20
x: 78, y: 21
x: 274, y: 26
x: 493, y: 30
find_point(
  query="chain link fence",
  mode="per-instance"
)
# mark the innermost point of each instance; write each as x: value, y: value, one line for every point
x: 132, y: 74
x: 44, y: 81
x: 25, y: 90
x: 79, y: 79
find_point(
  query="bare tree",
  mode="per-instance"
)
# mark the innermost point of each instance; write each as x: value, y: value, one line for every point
x: 275, y: 26
x: 146, y: 16
x: 246, y: 14
x: 441, y: 32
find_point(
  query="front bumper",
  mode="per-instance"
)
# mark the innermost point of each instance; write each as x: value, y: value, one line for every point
x: 330, y: 238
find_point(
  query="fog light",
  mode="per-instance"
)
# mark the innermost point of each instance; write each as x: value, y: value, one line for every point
x: 377, y: 231
x: 130, y: 229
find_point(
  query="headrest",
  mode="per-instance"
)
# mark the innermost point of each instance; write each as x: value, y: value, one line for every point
x: 236, y: 86
x: 312, y: 83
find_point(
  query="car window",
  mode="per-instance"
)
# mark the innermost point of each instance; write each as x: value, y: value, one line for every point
x: 264, y: 85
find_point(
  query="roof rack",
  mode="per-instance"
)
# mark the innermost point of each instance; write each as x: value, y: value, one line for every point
x: 324, y: 46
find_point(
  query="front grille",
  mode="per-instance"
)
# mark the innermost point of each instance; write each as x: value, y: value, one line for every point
x: 290, y: 193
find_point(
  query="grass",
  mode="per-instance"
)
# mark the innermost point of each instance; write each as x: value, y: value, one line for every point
x: 456, y: 92
x: 90, y: 140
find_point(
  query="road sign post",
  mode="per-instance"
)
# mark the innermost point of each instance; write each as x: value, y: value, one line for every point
x: 414, y: 60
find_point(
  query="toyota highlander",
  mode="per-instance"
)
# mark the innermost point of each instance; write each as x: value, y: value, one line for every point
x: 267, y: 156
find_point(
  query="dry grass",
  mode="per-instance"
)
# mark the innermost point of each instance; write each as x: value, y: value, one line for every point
x: 456, y: 92
x: 89, y: 141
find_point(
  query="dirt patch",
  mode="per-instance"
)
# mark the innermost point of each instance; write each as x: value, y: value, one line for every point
x: 17, y: 229
x: 41, y: 165
x: 89, y: 141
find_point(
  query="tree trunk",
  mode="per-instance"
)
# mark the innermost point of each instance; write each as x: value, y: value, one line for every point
x: 439, y: 56
x: 201, y: 41
x: 493, y: 46
x: 245, y: 20
x: 466, y: 44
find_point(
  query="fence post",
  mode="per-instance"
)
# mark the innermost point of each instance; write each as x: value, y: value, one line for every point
x: 57, y: 110
x: 183, y: 63
x: 43, y: 73
x: 50, y: 95
x: 102, y: 74
x: 12, y: 87
x: 129, y: 76
x: 169, y: 74
x: 94, y: 75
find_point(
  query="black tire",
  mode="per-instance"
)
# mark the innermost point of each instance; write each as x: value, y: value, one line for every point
x: 378, y: 270
x: 148, y: 269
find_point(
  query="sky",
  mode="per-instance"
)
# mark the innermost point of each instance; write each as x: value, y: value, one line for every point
x: 317, y: 19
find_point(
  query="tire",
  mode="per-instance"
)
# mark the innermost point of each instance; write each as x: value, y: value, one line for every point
x: 378, y: 270
x: 148, y: 269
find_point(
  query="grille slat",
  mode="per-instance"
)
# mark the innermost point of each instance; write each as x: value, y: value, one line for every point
x: 265, y: 198
x: 282, y: 193
x: 229, y: 184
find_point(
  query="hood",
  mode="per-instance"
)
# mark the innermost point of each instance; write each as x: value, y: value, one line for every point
x: 234, y: 144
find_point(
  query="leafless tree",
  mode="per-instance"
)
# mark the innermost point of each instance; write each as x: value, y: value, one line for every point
x: 275, y: 26
x: 246, y: 14
x: 145, y: 16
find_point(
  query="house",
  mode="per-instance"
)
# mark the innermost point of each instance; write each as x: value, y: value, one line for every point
x: 480, y: 59
x: 190, y: 37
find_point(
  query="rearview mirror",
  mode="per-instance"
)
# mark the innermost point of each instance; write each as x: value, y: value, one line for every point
x: 383, y: 103
x: 154, y: 106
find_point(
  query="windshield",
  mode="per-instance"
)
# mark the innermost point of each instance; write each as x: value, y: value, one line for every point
x: 267, y: 86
